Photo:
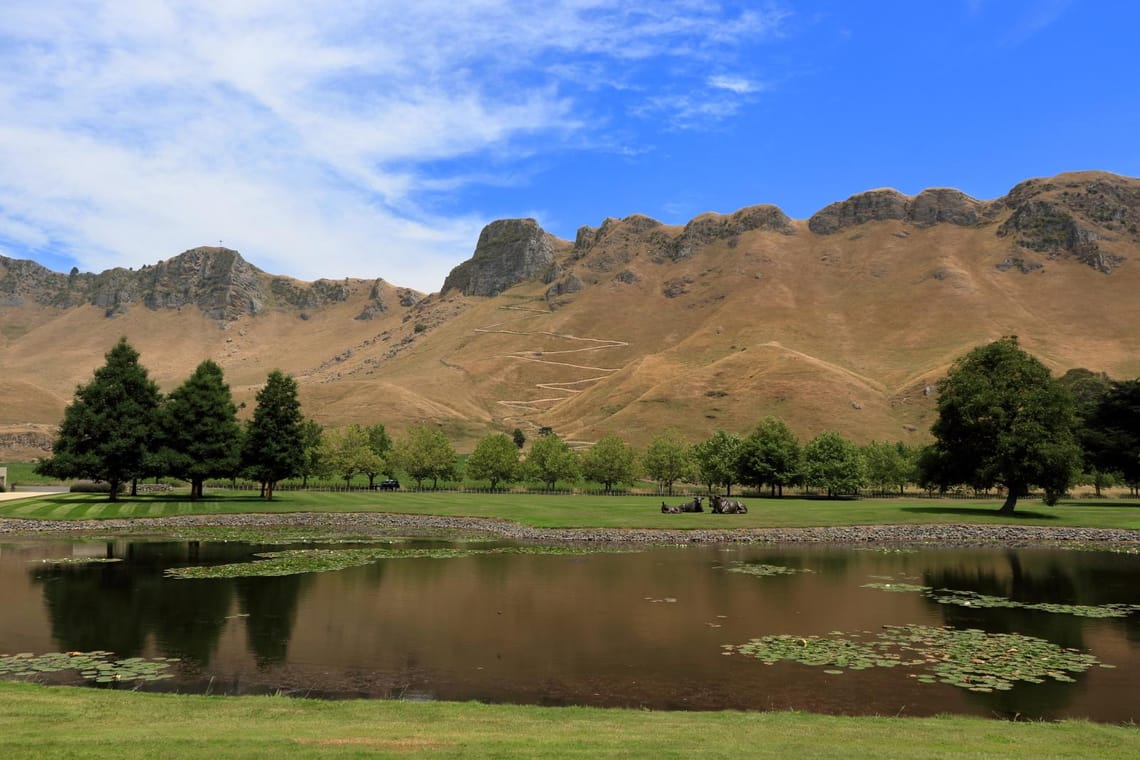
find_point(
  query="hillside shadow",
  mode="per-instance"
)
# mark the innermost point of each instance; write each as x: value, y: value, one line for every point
x: 980, y: 512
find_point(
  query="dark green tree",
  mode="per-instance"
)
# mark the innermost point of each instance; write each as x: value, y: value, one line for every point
x: 551, y: 459
x: 1088, y: 389
x: 495, y: 458
x: 610, y: 462
x: 1002, y: 419
x: 108, y: 431
x: 274, y: 444
x: 518, y: 438
x: 198, y: 429
x: 833, y: 463
x: 424, y: 452
x: 770, y: 455
x: 1112, y: 432
x: 668, y: 459
x: 717, y: 460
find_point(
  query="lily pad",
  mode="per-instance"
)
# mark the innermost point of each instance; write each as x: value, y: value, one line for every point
x: 980, y: 601
x: 99, y: 666
x: 764, y: 570
x: 969, y: 659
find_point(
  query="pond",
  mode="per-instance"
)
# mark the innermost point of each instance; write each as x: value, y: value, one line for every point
x: 1039, y: 633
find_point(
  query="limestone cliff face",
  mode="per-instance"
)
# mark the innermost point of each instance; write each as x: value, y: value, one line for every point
x: 218, y: 281
x: 934, y: 206
x: 21, y: 280
x: 709, y: 228
x: 872, y: 206
x: 1086, y: 216
x: 931, y: 206
x: 509, y: 251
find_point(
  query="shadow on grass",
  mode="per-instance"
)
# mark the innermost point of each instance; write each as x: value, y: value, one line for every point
x: 1019, y: 514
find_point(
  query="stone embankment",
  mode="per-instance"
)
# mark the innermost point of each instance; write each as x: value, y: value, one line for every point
x: 368, y: 523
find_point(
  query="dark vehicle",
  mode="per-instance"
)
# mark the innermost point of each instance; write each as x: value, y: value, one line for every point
x: 387, y: 485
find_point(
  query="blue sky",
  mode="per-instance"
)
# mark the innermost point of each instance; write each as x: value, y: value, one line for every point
x: 375, y: 139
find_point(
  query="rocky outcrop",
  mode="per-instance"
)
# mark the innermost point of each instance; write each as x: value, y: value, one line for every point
x: 21, y: 279
x: 218, y: 281
x: 1074, y: 216
x: 945, y: 205
x: 1069, y: 216
x: 941, y: 205
x: 566, y: 286
x: 613, y: 245
x: 710, y: 228
x: 509, y: 251
x: 872, y: 206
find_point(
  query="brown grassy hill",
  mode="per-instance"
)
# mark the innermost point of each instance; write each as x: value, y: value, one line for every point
x: 844, y: 321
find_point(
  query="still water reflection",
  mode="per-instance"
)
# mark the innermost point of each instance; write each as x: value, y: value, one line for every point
x: 642, y: 629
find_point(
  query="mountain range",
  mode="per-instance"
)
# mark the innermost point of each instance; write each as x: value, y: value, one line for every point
x: 844, y: 321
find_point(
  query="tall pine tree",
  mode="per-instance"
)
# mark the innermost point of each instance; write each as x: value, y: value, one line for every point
x: 198, y: 427
x: 108, y: 430
x: 274, y: 441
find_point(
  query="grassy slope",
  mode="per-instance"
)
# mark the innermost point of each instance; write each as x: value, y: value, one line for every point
x: 55, y: 722
x: 590, y: 511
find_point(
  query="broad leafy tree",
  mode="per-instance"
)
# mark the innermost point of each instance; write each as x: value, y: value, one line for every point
x: 610, y: 462
x: 519, y: 438
x: 770, y: 455
x: 274, y: 444
x: 717, y: 460
x: 495, y: 458
x: 889, y: 465
x: 311, y: 437
x: 381, y: 445
x: 108, y: 430
x: 424, y: 452
x: 551, y: 459
x: 198, y: 428
x: 833, y: 463
x: 347, y: 451
x: 668, y: 459
x: 1002, y: 419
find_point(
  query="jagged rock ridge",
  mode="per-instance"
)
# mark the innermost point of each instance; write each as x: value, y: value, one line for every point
x: 218, y: 281
x: 509, y: 251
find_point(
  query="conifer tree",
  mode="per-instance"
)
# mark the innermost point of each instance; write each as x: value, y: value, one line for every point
x: 274, y: 441
x: 199, y: 431
x: 108, y: 430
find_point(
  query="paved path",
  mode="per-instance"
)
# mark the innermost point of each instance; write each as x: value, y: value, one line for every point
x: 11, y: 495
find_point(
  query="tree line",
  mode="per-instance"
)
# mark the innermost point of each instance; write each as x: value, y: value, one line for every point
x: 1003, y: 420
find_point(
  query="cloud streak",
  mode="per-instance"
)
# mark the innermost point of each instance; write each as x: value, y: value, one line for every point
x: 318, y: 138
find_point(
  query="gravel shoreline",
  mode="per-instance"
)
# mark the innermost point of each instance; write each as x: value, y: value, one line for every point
x: 366, y: 523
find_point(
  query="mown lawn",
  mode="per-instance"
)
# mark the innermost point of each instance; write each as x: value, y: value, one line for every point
x: 579, y: 511
x: 38, y: 721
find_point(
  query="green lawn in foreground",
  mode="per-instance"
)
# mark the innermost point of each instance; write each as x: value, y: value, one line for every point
x: 37, y: 721
x: 564, y: 511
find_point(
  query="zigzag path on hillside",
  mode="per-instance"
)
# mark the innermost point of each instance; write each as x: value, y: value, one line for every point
x: 526, y: 408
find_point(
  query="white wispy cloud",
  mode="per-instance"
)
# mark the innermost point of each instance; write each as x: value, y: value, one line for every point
x: 313, y: 137
x: 739, y: 85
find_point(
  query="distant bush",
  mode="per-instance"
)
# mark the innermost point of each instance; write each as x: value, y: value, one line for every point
x: 87, y: 486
